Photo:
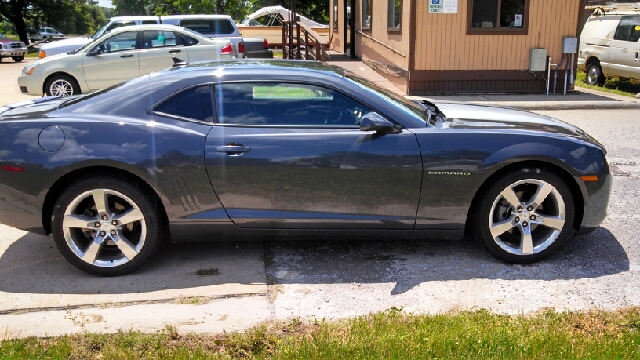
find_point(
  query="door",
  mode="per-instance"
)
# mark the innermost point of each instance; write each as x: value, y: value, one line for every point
x: 158, y: 49
x: 623, y: 52
x: 293, y: 156
x: 115, y: 62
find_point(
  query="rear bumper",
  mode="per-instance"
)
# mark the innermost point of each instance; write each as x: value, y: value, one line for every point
x: 263, y: 54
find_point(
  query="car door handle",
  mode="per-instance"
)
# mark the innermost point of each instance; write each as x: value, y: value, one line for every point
x: 126, y: 56
x: 175, y: 51
x: 235, y: 149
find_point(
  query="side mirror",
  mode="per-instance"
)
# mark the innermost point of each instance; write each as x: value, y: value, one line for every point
x: 375, y: 122
x: 95, y: 51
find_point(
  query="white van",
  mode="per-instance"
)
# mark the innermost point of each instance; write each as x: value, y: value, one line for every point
x: 72, y: 44
x: 609, y: 44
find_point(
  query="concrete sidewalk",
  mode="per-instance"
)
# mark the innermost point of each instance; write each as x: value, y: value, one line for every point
x: 581, y: 99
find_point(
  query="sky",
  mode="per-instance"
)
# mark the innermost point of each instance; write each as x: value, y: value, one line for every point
x: 105, y: 3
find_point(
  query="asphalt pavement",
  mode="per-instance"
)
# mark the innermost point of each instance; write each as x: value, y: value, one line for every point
x: 210, y: 288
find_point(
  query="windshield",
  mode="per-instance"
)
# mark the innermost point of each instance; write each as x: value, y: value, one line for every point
x: 407, y: 106
x: 209, y: 26
x: 99, y: 32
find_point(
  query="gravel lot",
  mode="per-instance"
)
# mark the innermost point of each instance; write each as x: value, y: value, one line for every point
x: 318, y: 278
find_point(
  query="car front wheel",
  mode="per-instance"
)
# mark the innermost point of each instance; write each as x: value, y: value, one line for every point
x: 525, y: 216
x: 594, y: 75
x: 61, y: 85
x: 105, y: 226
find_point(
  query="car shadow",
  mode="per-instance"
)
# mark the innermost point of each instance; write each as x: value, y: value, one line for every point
x: 32, y: 264
x: 408, y: 263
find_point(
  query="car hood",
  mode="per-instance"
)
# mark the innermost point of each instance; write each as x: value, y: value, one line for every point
x: 481, y: 117
x: 79, y: 42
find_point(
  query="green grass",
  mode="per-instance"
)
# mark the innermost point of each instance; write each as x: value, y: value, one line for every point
x: 389, y: 335
x: 613, y: 85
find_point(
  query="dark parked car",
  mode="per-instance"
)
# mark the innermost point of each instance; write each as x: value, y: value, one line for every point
x: 204, y: 151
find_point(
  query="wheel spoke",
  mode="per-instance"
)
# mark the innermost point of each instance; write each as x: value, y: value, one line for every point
x: 511, y: 197
x: 554, y: 222
x: 100, y: 198
x: 543, y: 191
x: 124, y: 245
x: 130, y: 216
x: 93, y: 249
x: 526, y: 241
x: 78, y: 221
x: 500, y: 228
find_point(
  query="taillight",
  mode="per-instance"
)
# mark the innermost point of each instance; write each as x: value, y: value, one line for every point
x: 241, y: 47
x: 266, y: 44
x: 227, y: 49
x: 41, y: 54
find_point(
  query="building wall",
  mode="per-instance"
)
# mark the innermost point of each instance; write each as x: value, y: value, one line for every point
x: 449, y: 60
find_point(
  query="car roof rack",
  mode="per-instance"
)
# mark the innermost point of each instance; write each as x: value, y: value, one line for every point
x: 615, y: 7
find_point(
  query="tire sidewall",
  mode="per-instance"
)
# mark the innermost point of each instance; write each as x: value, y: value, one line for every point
x: 484, y: 211
x: 144, y: 201
x: 72, y: 81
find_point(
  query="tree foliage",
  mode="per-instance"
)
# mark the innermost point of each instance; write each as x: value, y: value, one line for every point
x: 67, y: 16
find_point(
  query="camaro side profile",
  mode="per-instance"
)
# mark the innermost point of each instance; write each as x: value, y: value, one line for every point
x: 201, y: 152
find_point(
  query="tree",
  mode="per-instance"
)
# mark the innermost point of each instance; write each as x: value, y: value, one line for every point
x: 15, y: 11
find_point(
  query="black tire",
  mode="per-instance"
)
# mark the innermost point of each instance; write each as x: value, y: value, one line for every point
x: 511, y: 225
x: 68, y: 86
x: 17, y: 58
x: 111, y: 241
x: 594, y: 75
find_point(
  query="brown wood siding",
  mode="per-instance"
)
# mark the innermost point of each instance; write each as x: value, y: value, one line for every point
x: 442, y: 42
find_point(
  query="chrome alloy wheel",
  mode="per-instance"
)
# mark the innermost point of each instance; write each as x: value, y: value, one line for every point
x: 104, y: 228
x: 527, y: 217
x: 593, y: 75
x: 61, y: 87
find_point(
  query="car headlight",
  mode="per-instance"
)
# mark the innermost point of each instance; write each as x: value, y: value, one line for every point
x: 28, y: 70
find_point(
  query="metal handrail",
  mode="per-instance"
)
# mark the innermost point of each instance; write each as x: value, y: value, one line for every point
x: 319, y: 50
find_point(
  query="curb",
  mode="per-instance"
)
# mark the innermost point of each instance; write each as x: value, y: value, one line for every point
x: 565, y: 105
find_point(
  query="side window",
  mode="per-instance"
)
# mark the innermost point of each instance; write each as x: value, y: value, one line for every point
x: 628, y: 29
x: 118, y: 24
x: 185, y: 40
x: 120, y: 42
x: 154, y: 39
x: 146, y: 22
x: 286, y: 104
x: 195, y: 103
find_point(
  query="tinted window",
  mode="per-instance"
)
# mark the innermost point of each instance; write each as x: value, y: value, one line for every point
x: 118, y: 24
x: 628, y: 29
x: 209, y: 26
x: 286, y: 104
x: 120, y: 42
x: 194, y: 103
x: 145, y: 22
x: 498, y: 14
x: 154, y: 39
x: 186, y: 40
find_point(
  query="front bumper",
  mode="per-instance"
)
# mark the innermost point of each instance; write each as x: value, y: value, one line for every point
x: 13, y: 52
x: 30, y: 84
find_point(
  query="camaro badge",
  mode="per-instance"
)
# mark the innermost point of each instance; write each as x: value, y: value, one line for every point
x: 459, y: 173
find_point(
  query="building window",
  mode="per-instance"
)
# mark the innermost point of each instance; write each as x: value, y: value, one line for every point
x: 394, y: 14
x: 498, y: 16
x: 366, y: 14
x: 335, y: 14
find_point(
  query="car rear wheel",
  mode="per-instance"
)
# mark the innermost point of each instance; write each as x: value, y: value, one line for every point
x: 594, y: 75
x: 105, y: 226
x: 61, y: 85
x: 18, y: 58
x: 525, y: 216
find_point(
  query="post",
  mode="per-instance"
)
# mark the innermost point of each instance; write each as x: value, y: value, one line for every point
x: 298, y: 40
x: 548, y: 72
x: 306, y: 45
x: 284, y: 42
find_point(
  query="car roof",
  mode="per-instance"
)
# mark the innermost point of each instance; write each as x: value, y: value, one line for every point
x: 135, y: 17
x: 167, y: 27
x: 257, y: 66
x: 203, y: 16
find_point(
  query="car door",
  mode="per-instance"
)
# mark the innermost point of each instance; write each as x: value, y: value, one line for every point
x: 292, y: 155
x: 112, y: 61
x: 158, y: 49
x: 623, y: 52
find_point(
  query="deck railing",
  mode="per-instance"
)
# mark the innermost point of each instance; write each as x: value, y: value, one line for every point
x: 300, y: 42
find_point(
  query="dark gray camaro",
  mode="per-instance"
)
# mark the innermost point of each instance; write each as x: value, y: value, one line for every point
x: 202, y: 152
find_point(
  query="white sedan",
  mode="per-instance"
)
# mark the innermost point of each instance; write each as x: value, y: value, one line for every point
x: 122, y: 54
